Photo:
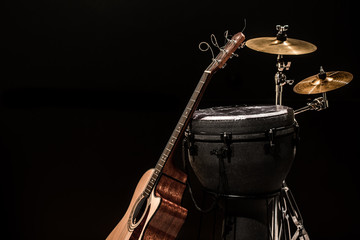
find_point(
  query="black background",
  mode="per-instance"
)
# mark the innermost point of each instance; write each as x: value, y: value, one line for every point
x: 91, y: 91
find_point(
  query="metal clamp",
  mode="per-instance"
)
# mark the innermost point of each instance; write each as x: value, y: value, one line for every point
x: 317, y: 104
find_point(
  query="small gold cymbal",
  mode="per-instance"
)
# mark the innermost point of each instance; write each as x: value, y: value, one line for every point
x: 272, y: 45
x: 316, y: 84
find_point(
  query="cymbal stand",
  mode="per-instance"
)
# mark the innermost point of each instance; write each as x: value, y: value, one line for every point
x: 280, y: 78
x: 317, y: 104
x: 286, y: 222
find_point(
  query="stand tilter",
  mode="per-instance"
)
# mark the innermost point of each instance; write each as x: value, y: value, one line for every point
x: 317, y: 104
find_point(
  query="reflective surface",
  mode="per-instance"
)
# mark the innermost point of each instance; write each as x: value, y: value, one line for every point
x: 273, y: 46
x: 315, y: 85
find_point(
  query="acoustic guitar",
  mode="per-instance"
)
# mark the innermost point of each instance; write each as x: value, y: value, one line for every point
x: 155, y: 211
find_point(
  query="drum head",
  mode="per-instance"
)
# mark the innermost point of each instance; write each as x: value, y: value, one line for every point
x: 241, y: 119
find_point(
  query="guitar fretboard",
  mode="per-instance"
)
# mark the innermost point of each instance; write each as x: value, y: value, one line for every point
x: 179, y: 130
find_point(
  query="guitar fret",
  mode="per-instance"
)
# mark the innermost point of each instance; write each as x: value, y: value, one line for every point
x: 154, y: 176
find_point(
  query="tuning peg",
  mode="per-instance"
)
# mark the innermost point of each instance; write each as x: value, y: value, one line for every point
x: 234, y: 55
x: 242, y: 45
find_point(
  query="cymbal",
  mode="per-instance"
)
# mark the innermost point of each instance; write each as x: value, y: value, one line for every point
x: 272, y: 45
x: 315, y: 84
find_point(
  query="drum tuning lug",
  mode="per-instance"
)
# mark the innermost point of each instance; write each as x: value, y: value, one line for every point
x: 271, y: 135
x: 226, y: 137
x: 226, y: 150
x: 189, y: 143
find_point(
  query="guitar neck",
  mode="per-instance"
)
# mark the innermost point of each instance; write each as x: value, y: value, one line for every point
x: 217, y: 63
x: 179, y: 129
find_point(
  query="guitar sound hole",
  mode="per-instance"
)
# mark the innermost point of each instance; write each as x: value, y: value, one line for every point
x: 139, y: 210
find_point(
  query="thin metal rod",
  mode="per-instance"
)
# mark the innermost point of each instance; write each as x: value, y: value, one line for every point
x: 301, y: 110
x: 278, y: 93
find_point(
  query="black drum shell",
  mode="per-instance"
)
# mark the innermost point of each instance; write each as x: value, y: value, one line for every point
x: 262, y: 149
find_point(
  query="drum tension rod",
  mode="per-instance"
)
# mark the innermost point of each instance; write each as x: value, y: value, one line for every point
x: 271, y: 135
x: 225, y: 151
x: 189, y: 141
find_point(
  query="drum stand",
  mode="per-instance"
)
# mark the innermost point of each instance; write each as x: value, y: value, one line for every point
x: 284, y: 221
x: 283, y: 207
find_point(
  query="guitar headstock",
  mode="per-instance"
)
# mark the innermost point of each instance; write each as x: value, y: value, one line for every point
x: 226, y: 51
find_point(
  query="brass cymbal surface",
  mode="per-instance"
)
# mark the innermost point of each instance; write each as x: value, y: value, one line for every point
x: 315, y: 84
x: 272, y: 45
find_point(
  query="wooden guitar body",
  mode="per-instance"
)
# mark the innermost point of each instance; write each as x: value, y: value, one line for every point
x: 170, y: 216
x: 165, y: 201
x: 125, y: 229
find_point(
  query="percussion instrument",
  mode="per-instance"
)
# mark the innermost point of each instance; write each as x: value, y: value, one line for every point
x: 272, y: 45
x: 323, y: 82
x: 242, y: 150
x: 281, y: 44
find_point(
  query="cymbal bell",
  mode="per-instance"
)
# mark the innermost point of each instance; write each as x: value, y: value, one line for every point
x: 317, y: 84
x: 272, y: 45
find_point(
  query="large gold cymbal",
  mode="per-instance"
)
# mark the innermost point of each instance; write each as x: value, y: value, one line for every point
x: 315, y: 84
x: 272, y: 45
